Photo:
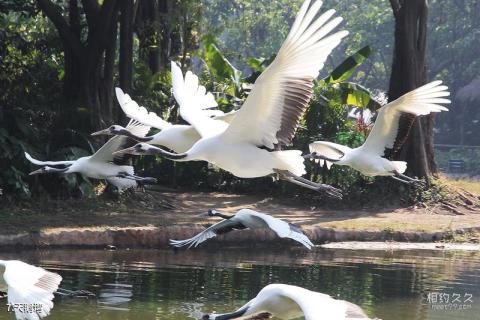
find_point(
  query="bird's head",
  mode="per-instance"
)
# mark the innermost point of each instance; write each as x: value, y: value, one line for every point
x: 138, y: 149
x: 47, y: 169
x: 213, y: 213
x: 112, y: 131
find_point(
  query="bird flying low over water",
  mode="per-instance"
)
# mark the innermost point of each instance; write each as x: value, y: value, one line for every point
x: 29, y: 289
x: 369, y: 158
x: 245, y: 219
x: 176, y: 137
x: 102, y: 164
x: 291, y: 302
x: 249, y: 146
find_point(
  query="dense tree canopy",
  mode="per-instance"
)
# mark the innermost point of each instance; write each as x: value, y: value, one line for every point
x: 61, y: 59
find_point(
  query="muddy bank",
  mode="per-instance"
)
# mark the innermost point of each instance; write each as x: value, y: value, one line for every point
x: 149, y: 223
x: 157, y: 237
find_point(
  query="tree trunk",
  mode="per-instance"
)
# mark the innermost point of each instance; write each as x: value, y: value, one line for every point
x: 126, y: 46
x: 154, y: 32
x: 87, y: 66
x: 408, y: 73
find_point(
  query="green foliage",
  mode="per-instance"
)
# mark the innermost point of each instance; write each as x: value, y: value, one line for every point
x: 221, y: 69
x: 471, y: 157
x: 348, y: 66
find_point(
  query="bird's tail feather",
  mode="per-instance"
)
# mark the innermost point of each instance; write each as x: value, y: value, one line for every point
x: 188, y: 91
x: 426, y: 99
x: 290, y: 160
x: 400, y: 166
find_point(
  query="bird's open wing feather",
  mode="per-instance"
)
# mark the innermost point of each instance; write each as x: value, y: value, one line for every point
x: 421, y: 101
x: 315, y: 305
x: 330, y: 150
x: 136, y: 112
x: 104, y: 154
x: 284, y: 229
x: 122, y: 183
x: 211, y: 232
x: 32, y: 286
x: 193, y: 99
x: 272, y: 111
x: 47, y: 163
x: 226, y: 117
x: 188, y: 88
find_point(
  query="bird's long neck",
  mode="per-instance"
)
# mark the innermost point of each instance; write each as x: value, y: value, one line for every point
x: 60, y: 170
x: 224, y: 216
x: 137, y: 138
x: 236, y: 314
x: 322, y: 157
x: 169, y: 155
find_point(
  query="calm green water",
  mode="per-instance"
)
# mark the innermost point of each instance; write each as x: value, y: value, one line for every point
x: 155, y: 284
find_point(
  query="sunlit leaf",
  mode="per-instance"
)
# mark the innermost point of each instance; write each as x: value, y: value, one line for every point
x: 348, y: 66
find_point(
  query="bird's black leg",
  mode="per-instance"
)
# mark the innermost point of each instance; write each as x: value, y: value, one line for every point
x: 401, y: 180
x: 406, y: 179
x: 143, y: 180
x: 288, y: 176
x: 75, y: 293
x: 403, y: 176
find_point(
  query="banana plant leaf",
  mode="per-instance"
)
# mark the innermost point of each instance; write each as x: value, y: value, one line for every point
x: 348, y: 66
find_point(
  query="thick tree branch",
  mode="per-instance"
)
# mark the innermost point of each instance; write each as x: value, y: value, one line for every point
x: 92, y: 10
x: 54, y: 13
x: 395, y: 6
x: 97, y: 39
x: 126, y: 45
x: 422, y: 28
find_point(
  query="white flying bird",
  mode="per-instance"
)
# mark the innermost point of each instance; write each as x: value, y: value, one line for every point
x: 291, y: 302
x: 102, y: 164
x: 177, y: 137
x: 243, y: 219
x: 369, y: 158
x: 29, y: 289
x: 270, y: 115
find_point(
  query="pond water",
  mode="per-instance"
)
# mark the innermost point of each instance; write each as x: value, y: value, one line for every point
x: 162, y: 284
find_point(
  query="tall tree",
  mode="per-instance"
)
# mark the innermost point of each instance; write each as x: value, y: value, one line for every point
x: 126, y: 45
x: 408, y: 73
x: 154, y: 32
x: 88, y: 64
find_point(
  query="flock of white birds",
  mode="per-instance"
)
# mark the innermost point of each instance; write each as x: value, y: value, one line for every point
x: 247, y: 143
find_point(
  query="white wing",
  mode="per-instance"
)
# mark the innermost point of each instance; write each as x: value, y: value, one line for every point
x: 46, y: 163
x: 189, y: 90
x: 32, y: 286
x: 330, y: 150
x: 122, y: 183
x: 211, y: 232
x: 282, y: 229
x: 136, y: 112
x: 192, y: 100
x: 226, y: 117
x: 104, y: 154
x: 314, y: 305
x: 421, y: 101
x: 272, y: 111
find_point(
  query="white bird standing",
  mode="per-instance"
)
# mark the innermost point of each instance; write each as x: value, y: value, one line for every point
x: 28, y: 287
x: 102, y: 164
x: 369, y: 158
x: 271, y: 113
x: 176, y: 137
x: 243, y: 219
x: 291, y: 302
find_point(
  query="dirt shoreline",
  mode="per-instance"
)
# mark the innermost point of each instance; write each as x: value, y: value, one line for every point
x: 157, y: 237
x: 131, y: 226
